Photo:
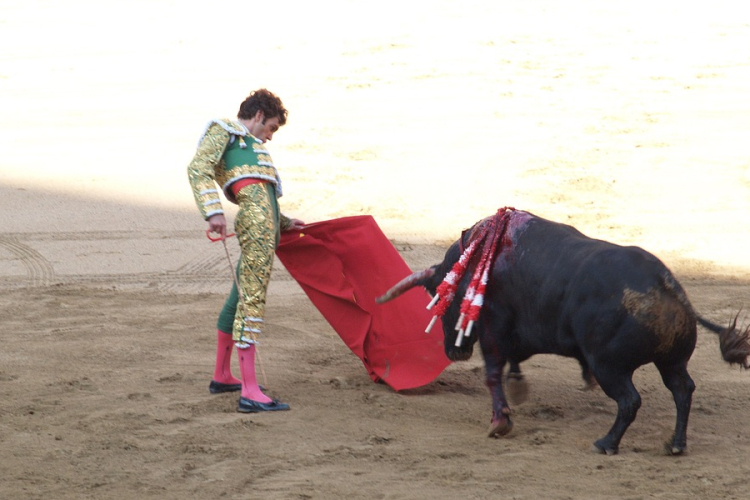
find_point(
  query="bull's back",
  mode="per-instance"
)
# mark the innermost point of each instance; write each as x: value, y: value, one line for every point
x: 573, y: 293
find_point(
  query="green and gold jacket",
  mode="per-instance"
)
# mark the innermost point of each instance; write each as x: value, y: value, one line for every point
x: 227, y: 152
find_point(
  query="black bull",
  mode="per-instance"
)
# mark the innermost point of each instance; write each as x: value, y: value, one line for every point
x: 613, y: 308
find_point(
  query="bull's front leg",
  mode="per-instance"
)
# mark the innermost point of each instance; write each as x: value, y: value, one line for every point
x: 501, y: 423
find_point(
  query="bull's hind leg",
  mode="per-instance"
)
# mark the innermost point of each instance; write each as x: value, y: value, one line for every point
x: 618, y: 386
x: 677, y: 380
x: 516, y: 387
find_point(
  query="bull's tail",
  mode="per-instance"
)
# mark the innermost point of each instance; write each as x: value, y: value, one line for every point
x: 709, y: 325
x: 734, y: 344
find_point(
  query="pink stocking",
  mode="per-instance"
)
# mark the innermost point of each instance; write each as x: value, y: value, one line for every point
x: 222, y: 371
x: 250, y: 389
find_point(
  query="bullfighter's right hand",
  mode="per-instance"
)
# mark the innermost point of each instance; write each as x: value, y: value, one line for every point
x: 218, y: 224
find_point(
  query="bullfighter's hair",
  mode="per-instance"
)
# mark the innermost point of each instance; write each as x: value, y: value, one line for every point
x: 265, y: 101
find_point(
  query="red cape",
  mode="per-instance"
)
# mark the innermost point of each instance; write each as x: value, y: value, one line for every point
x: 343, y: 265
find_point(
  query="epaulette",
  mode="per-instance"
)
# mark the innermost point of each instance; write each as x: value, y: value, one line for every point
x: 231, y: 126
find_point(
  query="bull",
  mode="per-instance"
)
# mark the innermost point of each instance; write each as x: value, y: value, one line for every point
x: 553, y: 290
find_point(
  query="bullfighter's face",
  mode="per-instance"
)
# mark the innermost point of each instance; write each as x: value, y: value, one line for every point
x: 262, y: 127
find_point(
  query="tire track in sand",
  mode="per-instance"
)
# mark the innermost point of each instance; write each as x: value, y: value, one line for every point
x: 39, y: 270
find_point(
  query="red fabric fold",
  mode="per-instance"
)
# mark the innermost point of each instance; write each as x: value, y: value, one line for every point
x: 343, y: 265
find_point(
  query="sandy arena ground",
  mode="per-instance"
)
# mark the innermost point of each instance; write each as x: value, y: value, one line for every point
x: 630, y: 121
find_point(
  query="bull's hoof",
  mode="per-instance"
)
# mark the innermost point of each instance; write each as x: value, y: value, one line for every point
x: 673, y: 449
x: 499, y: 428
x: 516, y: 389
x: 589, y: 385
x: 603, y: 447
x: 676, y: 446
x: 589, y: 381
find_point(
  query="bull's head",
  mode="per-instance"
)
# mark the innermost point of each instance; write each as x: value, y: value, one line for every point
x: 430, y: 278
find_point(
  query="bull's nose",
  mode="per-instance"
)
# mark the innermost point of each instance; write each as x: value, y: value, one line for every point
x: 458, y: 355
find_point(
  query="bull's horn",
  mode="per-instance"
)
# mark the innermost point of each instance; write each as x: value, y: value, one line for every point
x: 415, y: 279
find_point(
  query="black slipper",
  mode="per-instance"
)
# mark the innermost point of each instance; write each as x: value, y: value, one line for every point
x: 218, y: 388
x: 249, y: 406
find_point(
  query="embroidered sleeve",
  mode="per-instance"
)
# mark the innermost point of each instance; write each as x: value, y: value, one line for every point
x: 202, y: 170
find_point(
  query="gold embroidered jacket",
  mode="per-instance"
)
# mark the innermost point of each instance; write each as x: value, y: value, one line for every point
x: 227, y: 152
